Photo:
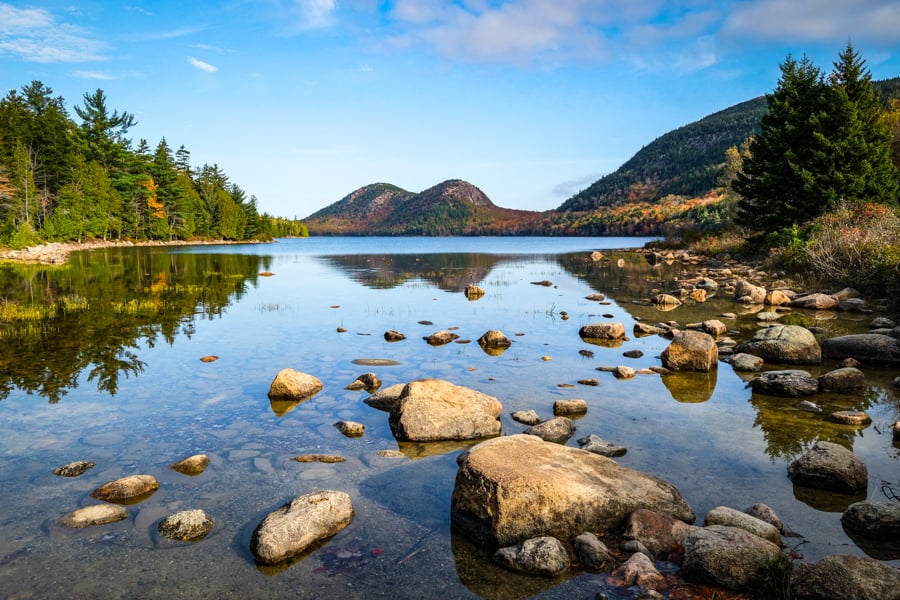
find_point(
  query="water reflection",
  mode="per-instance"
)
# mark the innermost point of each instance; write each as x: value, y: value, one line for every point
x: 94, y: 314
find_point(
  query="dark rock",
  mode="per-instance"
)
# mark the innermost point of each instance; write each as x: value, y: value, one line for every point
x: 439, y: 338
x: 74, y: 469
x: 873, y: 518
x: 791, y: 383
x: 844, y: 380
x: 473, y: 292
x: 557, y: 430
x: 865, y: 347
x: 591, y: 552
x: 829, y: 466
x: 727, y: 556
x: 841, y: 577
x: 392, y: 335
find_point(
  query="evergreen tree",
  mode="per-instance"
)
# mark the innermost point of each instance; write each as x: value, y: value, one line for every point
x: 779, y: 183
x: 104, y: 131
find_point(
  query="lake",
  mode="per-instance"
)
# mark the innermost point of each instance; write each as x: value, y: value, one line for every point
x: 100, y: 361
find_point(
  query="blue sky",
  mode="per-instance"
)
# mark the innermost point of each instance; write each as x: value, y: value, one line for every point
x: 301, y: 102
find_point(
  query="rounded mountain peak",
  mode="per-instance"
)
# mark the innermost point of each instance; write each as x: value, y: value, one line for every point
x: 457, y: 189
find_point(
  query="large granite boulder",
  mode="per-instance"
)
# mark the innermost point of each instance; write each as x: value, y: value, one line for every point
x: 727, y: 556
x: 127, y: 489
x: 431, y: 410
x: 830, y: 466
x: 691, y: 351
x: 306, y: 520
x: 864, y: 347
x: 841, y: 577
x: 294, y: 385
x: 789, y: 344
x: 791, y: 383
x: 513, y: 488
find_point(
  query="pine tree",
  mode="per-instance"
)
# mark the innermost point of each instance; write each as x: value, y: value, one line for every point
x: 779, y: 183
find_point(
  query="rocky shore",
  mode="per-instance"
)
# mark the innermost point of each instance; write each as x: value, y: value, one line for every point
x: 57, y: 253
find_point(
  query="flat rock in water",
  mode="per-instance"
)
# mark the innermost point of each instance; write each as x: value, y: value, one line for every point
x: 791, y: 383
x: 439, y: 338
x: 97, y: 514
x: 865, y: 347
x: 851, y: 417
x: 597, y: 445
x: 603, y: 331
x: 512, y: 488
x: 788, y: 344
x: 569, y: 407
x: 351, y: 428
x: 74, y: 469
x: 392, y: 335
x: 321, y: 458
x: 526, y: 417
x: 306, y: 520
x: 186, y: 525
x: 128, y: 488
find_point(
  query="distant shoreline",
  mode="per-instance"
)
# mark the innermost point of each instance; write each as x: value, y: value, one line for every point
x: 57, y: 253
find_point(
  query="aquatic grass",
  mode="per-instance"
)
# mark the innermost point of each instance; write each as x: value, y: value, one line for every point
x: 142, y: 306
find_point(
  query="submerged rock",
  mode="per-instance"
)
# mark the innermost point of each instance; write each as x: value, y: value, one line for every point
x: 513, y: 488
x: 791, y: 383
x: 96, y: 514
x: 526, y: 417
x: 186, y: 525
x: 306, y: 520
x: 440, y: 338
x: 597, y: 445
x: 321, y: 458
x: 74, y: 469
x: 351, y: 428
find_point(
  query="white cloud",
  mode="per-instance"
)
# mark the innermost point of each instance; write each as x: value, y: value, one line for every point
x: 35, y: 35
x: 92, y: 75
x: 877, y: 21
x: 203, y: 66
x: 315, y: 14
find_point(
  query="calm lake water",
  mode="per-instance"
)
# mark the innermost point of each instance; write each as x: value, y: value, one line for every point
x: 100, y: 360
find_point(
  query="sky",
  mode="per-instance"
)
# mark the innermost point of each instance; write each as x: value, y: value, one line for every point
x: 300, y: 102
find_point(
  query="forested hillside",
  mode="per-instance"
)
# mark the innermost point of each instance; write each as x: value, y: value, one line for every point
x: 68, y: 180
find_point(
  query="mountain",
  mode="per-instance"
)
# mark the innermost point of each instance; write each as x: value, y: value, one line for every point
x: 454, y: 207
x: 676, y: 178
x: 688, y: 161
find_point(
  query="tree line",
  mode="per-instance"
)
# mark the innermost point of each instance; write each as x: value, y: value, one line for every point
x: 62, y: 180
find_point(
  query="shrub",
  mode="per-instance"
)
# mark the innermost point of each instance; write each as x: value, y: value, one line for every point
x: 857, y: 245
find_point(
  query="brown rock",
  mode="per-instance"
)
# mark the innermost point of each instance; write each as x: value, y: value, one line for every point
x: 603, y: 331
x: 829, y: 466
x: 691, y: 351
x: 186, y: 525
x: 192, y: 465
x: 569, y: 407
x: 433, y: 409
x: 96, y: 514
x: 513, y: 488
x: 127, y: 489
x: 294, y: 385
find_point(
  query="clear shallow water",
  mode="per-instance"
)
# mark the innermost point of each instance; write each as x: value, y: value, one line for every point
x: 707, y: 435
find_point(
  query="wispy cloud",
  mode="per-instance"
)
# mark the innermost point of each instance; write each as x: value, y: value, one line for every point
x: 203, y: 66
x: 96, y: 75
x: 876, y: 21
x: 313, y: 14
x: 171, y: 34
x: 35, y: 35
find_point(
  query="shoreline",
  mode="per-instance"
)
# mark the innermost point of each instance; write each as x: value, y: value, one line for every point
x: 57, y: 253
